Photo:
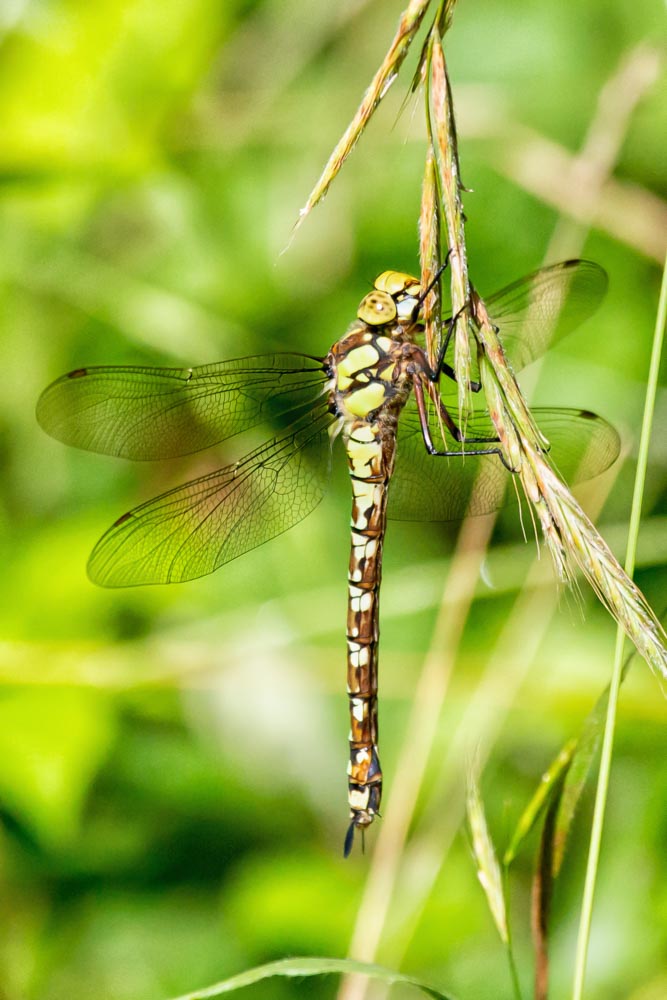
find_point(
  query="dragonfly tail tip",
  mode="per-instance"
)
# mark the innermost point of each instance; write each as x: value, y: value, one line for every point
x: 349, y: 841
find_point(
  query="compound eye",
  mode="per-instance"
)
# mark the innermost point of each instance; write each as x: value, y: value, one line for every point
x: 377, y: 308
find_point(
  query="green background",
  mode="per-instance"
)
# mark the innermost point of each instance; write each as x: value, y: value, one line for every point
x: 172, y: 760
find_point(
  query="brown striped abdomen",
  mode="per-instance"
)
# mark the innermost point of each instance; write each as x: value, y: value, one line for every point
x: 370, y: 458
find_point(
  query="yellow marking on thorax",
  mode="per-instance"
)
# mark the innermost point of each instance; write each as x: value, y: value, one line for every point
x: 364, y: 401
x: 351, y: 367
x: 384, y: 343
x: 361, y: 357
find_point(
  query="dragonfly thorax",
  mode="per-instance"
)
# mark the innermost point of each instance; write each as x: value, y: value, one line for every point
x: 369, y: 372
x: 369, y: 365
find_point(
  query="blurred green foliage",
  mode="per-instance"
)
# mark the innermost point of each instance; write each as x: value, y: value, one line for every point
x: 172, y: 760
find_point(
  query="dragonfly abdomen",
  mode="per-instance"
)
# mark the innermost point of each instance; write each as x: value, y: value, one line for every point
x: 370, y: 454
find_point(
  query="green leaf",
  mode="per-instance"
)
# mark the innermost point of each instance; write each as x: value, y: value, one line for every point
x: 313, y: 967
x: 585, y: 749
x: 550, y: 780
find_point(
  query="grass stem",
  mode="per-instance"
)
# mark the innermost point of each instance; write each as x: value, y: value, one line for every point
x: 608, y: 739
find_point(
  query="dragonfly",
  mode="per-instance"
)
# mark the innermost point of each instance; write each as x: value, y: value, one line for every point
x: 377, y: 392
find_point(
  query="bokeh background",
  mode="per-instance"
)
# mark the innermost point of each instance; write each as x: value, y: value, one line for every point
x: 172, y: 759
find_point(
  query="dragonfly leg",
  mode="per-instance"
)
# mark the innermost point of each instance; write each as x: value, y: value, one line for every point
x: 450, y: 373
x: 432, y: 283
x: 453, y: 428
x: 441, y: 364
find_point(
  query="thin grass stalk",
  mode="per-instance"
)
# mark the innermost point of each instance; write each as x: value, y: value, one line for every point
x: 430, y: 256
x: 542, y: 895
x: 612, y: 706
x: 409, y: 24
x: 486, y: 860
x: 442, y: 127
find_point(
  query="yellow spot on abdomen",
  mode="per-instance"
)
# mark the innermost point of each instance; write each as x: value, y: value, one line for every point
x: 362, y: 490
x: 362, y: 457
x: 363, y: 433
x: 362, y: 451
x: 358, y: 797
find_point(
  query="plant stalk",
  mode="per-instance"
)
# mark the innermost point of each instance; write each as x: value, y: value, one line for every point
x: 617, y: 674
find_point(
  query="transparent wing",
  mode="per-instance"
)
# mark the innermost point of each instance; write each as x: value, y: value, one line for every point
x: 151, y: 413
x: 193, y: 529
x: 537, y: 311
x: 429, y: 488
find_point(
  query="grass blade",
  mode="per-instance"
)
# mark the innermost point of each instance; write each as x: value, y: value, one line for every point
x: 617, y: 675
x: 586, y: 747
x: 489, y: 873
x: 409, y: 23
x: 550, y: 782
x: 442, y: 127
x: 488, y: 869
x: 304, y: 967
x: 429, y: 254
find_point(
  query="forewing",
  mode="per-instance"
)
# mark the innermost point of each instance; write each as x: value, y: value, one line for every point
x: 433, y: 488
x: 193, y: 529
x: 151, y: 413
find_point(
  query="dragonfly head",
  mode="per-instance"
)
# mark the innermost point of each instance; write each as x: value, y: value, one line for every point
x: 394, y: 297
